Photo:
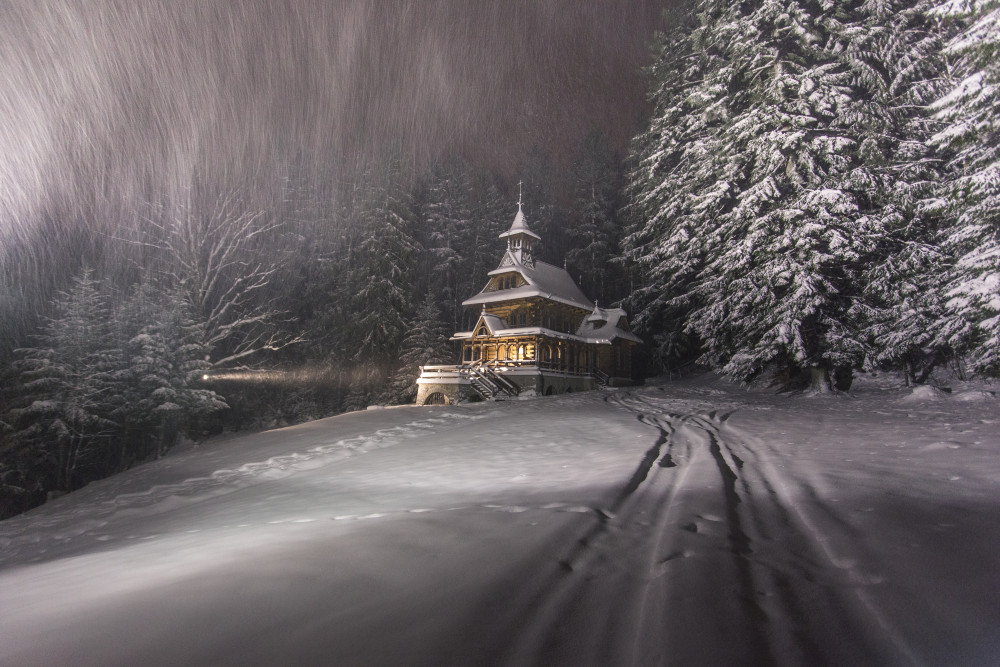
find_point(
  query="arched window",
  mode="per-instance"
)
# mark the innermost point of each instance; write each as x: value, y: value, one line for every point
x: 520, y: 353
x: 502, y: 353
x: 467, y: 353
x: 512, y: 352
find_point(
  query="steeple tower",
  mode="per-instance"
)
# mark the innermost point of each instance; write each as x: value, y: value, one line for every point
x: 520, y: 239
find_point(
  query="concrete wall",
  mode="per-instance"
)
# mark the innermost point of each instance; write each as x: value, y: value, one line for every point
x: 541, y: 384
x: 560, y: 385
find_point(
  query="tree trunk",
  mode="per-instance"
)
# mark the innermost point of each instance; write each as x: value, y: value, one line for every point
x: 819, y: 379
x: 843, y: 378
x: 928, y: 368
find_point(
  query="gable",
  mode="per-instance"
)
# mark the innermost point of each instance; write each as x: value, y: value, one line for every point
x: 488, y: 325
x: 505, y: 281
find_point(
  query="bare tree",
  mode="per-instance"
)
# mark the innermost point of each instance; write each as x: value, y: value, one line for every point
x: 218, y: 255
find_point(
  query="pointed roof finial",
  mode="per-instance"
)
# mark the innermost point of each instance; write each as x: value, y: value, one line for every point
x: 519, y: 195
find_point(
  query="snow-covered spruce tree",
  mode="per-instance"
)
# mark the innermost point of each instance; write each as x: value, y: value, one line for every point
x: 447, y: 224
x: 970, y: 139
x: 538, y: 193
x: 67, y: 386
x: 903, y: 296
x: 311, y: 225
x: 425, y: 343
x: 767, y: 205
x: 593, y: 219
x: 166, y: 362
x: 480, y: 243
x: 382, y: 269
x: 672, y: 188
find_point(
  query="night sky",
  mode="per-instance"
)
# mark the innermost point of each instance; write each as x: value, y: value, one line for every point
x: 105, y: 104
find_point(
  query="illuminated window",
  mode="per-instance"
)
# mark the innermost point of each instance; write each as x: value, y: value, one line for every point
x: 502, y: 353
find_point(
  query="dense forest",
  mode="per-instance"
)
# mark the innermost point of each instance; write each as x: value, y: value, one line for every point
x: 229, y: 317
x: 815, y: 192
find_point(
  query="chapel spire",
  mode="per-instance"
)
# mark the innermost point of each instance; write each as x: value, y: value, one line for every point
x: 520, y: 239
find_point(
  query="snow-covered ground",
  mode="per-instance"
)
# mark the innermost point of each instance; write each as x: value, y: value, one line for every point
x: 687, y: 523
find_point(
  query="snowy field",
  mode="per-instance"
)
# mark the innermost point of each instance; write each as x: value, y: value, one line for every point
x: 690, y: 523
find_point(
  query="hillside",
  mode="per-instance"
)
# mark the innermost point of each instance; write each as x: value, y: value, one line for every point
x: 684, y: 523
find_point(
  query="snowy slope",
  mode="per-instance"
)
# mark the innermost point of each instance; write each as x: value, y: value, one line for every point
x: 687, y: 523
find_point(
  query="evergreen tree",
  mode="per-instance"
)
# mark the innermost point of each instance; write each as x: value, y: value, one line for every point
x: 671, y: 188
x: 449, y: 226
x: 762, y: 211
x: 167, y: 360
x: 68, y: 383
x: 538, y: 194
x: 595, y: 229
x: 425, y: 343
x: 901, y: 56
x: 970, y: 139
x: 480, y: 245
x: 383, y: 268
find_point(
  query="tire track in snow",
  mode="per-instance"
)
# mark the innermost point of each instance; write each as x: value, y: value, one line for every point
x: 708, y: 557
x: 561, y: 616
x: 807, y: 525
x: 807, y: 603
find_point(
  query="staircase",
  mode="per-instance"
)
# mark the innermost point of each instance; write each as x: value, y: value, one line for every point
x: 506, y: 386
x: 491, y: 385
x: 602, y: 378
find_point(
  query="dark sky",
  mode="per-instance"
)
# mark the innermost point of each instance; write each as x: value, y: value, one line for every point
x: 104, y: 101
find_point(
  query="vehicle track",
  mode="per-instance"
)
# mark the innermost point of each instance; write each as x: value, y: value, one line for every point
x: 714, y: 556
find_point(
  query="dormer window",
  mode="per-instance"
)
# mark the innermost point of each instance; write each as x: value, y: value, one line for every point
x: 507, y: 281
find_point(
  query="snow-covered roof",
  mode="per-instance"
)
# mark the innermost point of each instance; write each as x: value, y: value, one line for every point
x: 599, y: 315
x: 493, y: 323
x: 519, y: 226
x: 606, y: 324
x: 544, y: 280
x: 604, y: 335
